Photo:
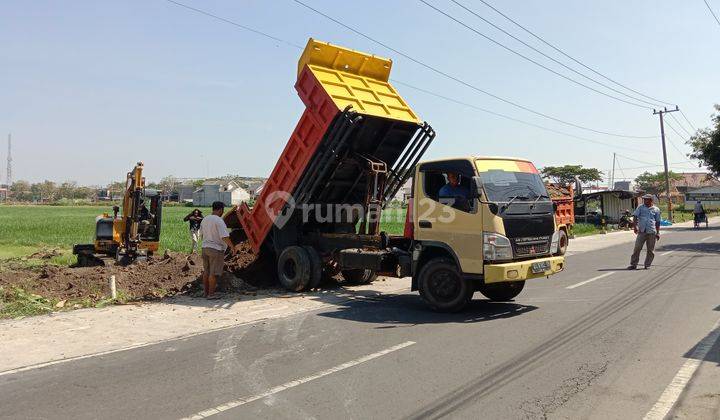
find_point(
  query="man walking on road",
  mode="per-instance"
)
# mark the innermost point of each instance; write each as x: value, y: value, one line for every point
x: 647, y: 229
x: 215, y: 240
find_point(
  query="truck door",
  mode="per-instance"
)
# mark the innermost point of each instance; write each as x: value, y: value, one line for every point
x: 447, y: 212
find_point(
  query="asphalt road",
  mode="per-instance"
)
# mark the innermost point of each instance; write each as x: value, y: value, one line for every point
x: 596, y: 341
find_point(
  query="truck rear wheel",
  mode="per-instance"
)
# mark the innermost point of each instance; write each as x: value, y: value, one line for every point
x: 316, y: 268
x: 504, y: 291
x: 294, y: 268
x: 359, y: 276
x: 443, y: 287
x: 562, y: 242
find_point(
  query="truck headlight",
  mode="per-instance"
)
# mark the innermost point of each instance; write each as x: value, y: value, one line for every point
x: 496, y: 247
x: 555, y: 242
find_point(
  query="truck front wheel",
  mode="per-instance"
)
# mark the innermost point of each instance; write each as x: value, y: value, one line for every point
x: 501, y: 292
x: 443, y: 287
x: 562, y: 242
x: 294, y: 268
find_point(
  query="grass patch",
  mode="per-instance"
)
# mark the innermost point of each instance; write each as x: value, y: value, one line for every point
x: 585, y: 229
x: 17, y: 303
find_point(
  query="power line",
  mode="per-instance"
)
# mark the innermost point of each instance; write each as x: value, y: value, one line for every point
x: 711, y: 12
x: 680, y: 125
x: 634, y: 160
x: 688, y: 121
x: 477, y: 108
x: 460, y: 81
x: 503, y: 46
x: 672, y: 143
x: 274, y: 38
x: 474, y: 13
x: 538, y: 37
x: 247, y: 28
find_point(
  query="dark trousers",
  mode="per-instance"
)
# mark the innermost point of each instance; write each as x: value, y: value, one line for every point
x: 642, y: 239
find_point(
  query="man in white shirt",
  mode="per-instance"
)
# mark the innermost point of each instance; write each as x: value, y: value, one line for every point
x: 215, y: 240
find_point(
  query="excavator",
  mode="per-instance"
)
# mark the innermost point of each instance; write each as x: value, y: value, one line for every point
x: 130, y: 235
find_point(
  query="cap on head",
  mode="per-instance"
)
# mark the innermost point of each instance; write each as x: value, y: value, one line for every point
x: 647, y: 197
x: 218, y: 205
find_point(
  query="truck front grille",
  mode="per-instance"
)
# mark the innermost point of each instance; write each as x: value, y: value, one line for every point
x: 525, y: 248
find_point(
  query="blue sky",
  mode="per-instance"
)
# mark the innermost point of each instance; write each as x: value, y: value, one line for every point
x: 88, y: 88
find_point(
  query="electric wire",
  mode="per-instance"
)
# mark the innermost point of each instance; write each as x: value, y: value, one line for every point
x: 556, y: 48
x: 460, y: 81
x: 247, y: 28
x: 682, y: 126
x: 503, y: 46
x: 477, y: 108
x: 688, y: 121
x: 477, y: 15
x: 289, y: 43
x: 712, y: 12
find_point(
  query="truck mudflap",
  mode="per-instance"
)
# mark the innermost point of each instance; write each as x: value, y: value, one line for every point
x: 523, y: 270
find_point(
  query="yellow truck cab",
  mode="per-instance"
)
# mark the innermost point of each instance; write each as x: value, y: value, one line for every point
x: 479, y: 224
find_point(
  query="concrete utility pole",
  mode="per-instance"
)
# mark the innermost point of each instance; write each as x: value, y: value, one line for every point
x: 667, y: 175
x: 8, y: 178
x: 612, y: 177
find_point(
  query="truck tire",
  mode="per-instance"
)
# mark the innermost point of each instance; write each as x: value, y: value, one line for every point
x: 443, y: 287
x: 359, y: 276
x: 316, y: 267
x: 294, y: 268
x: 562, y: 242
x: 501, y: 292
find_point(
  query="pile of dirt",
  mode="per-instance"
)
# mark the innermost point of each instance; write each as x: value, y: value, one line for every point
x: 46, y: 254
x: 256, y: 270
x: 152, y: 279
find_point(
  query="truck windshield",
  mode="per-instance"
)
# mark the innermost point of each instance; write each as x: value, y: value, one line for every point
x: 504, y: 186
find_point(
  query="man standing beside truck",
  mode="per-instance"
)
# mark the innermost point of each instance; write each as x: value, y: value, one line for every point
x: 215, y: 240
x: 647, y: 228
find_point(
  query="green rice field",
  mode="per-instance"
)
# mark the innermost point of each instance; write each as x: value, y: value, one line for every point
x: 25, y: 229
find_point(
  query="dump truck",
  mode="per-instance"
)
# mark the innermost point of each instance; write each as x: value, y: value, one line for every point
x: 355, y: 145
x: 130, y: 234
x: 563, y: 196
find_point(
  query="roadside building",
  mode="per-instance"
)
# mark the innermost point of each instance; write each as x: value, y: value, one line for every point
x: 3, y: 193
x: 592, y: 207
x: 693, y: 181
x: 185, y: 192
x: 710, y: 197
x: 229, y: 192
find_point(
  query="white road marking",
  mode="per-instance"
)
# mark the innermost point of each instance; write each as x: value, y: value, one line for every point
x: 705, y: 239
x: 673, y: 391
x: 590, y: 280
x: 242, y: 401
x: 667, y: 253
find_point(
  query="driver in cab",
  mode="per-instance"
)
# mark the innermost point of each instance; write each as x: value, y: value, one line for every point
x: 454, y: 194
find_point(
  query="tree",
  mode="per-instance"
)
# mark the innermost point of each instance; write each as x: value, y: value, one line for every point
x: 169, y: 184
x: 21, y: 191
x: 655, y: 183
x: 44, y: 191
x: 706, y: 144
x: 566, y: 174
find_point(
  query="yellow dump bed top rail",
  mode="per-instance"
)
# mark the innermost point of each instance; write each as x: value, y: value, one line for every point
x: 355, y: 78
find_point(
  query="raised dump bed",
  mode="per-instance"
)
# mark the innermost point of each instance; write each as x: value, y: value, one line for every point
x: 355, y: 144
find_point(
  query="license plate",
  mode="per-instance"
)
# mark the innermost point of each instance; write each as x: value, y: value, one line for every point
x: 540, y: 267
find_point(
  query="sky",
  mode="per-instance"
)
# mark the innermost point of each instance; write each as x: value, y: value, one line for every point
x: 88, y: 88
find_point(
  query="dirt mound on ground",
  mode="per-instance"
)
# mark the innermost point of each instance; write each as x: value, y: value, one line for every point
x: 156, y: 278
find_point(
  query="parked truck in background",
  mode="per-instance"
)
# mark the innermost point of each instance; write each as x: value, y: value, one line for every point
x: 564, y: 198
x: 355, y: 146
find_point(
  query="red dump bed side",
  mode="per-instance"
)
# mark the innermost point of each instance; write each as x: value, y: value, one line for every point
x: 309, y: 131
x: 562, y: 196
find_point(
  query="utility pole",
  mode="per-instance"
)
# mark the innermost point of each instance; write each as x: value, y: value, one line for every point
x: 612, y: 177
x: 667, y: 175
x: 8, y: 178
